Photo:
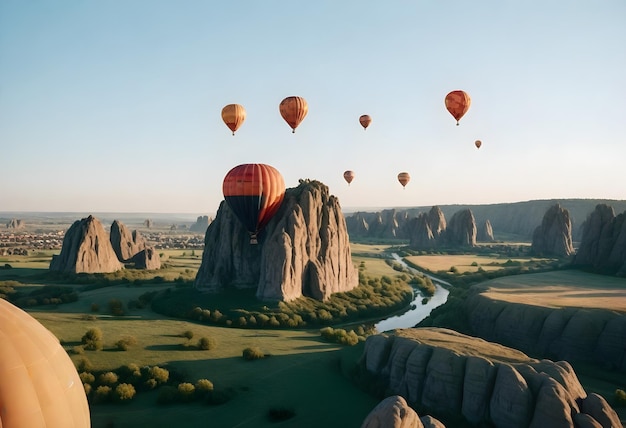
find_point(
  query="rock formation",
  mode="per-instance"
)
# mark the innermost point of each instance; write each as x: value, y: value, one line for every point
x: 303, y: 251
x: 461, y: 230
x: 573, y: 334
x: 201, y: 224
x: 421, y: 234
x: 125, y: 243
x: 485, y: 232
x: 86, y: 249
x: 147, y: 258
x: 462, y: 379
x: 148, y: 223
x: 394, y: 412
x: 16, y: 223
x: 554, y: 236
x: 603, y: 244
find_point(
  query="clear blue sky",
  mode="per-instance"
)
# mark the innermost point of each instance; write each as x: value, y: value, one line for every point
x: 115, y: 105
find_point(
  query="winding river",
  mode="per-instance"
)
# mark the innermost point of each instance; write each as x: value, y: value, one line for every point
x: 418, y: 310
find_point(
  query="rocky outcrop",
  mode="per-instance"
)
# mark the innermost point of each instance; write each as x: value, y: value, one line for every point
x: 554, y: 236
x: 16, y: 223
x: 461, y: 230
x: 86, y: 249
x: 462, y: 379
x: 147, y: 258
x: 394, y: 412
x: 303, y: 251
x: 386, y: 224
x: 201, y: 224
x: 485, y: 232
x: 126, y: 243
x: 573, y: 334
x: 603, y: 244
x: 421, y: 234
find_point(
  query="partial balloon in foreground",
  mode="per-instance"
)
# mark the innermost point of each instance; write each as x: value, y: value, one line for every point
x: 404, y: 178
x: 457, y: 103
x: 478, y: 143
x: 233, y: 116
x: 39, y: 385
x: 293, y: 110
x: 254, y: 191
x: 365, y: 121
x: 348, y: 176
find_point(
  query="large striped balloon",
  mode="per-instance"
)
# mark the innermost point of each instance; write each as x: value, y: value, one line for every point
x: 254, y: 191
x: 293, y: 110
x: 39, y: 386
x: 458, y: 103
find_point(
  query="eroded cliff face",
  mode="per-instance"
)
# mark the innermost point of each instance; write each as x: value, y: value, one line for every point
x: 303, y: 251
x: 554, y: 236
x: 575, y: 334
x: 603, y: 245
x: 86, y: 249
x: 462, y: 378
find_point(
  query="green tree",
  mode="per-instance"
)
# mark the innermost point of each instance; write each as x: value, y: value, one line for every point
x: 124, y: 392
x: 93, y: 339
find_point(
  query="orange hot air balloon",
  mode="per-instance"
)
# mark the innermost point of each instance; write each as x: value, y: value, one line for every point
x: 348, y: 176
x: 293, y: 110
x: 365, y: 121
x: 233, y: 116
x: 404, y: 178
x: 457, y: 103
x: 39, y: 385
x: 478, y: 143
x: 254, y: 191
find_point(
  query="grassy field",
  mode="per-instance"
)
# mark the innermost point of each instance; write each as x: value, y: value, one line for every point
x: 465, y: 262
x: 569, y: 288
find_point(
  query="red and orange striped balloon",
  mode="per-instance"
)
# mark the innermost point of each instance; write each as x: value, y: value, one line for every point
x: 233, y: 116
x: 254, y: 191
x: 458, y: 103
x: 293, y: 110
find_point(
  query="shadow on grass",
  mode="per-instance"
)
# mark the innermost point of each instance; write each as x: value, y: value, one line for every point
x: 172, y: 347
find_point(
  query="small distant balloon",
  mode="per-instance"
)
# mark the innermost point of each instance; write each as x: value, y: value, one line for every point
x: 478, y: 143
x: 365, y: 121
x: 293, y: 110
x: 348, y: 176
x: 457, y: 103
x: 404, y: 178
x: 233, y: 116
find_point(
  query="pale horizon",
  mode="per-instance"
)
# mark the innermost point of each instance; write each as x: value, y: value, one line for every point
x: 115, y: 106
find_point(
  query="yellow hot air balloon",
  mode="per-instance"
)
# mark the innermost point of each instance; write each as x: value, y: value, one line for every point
x: 348, y: 176
x: 39, y: 385
x: 293, y: 110
x: 457, y: 103
x: 233, y: 116
x: 478, y: 143
x: 404, y: 178
x: 365, y: 121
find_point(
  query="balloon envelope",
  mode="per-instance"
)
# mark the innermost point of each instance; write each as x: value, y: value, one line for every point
x: 457, y: 103
x: 254, y: 192
x: 365, y: 120
x: 478, y: 143
x: 39, y: 385
x: 293, y: 110
x: 404, y: 178
x: 233, y: 116
x: 348, y: 176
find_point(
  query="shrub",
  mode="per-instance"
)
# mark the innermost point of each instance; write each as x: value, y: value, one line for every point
x: 206, y: 343
x: 102, y: 394
x: 116, y: 307
x: 160, y: 375
x: 84, y: 365
x: 203, y: 386
x: 188, y: 334
x: 620, y: 398
x: 108, y: 378
x: 253, y: 353
x: 186, y: 391
x: 78, y: 349
x: 87, y: 377
x: 93, y: 339
x: 125, y: 342
x: 124, y: 392
x: 87, y: 388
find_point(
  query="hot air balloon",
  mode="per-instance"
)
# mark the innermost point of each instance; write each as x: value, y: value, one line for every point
x: 293, y: 110
x: 478, y: 143
x: 233, y: 116
x: 254, y: 191
x: 39, y: 385
x: 404, y: 178
x: 457, y: 103
x: 348, y: 176
x: 365, y: 121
